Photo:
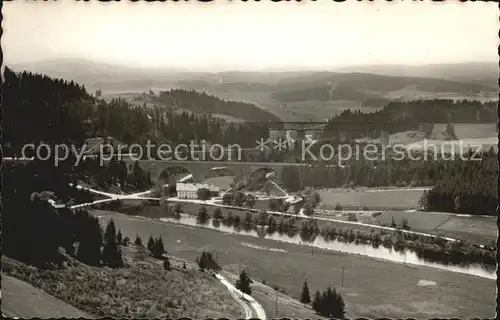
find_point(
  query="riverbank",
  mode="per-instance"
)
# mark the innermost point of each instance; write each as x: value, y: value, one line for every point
x: 476, y: 229
x: 441, y: 250
x: 454, y: 294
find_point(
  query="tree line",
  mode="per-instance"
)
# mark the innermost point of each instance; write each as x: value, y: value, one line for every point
x: 57, y: 111
x: 461, y: 186
x: 398, y: 116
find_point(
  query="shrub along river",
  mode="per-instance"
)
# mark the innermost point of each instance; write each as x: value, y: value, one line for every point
x: 352, y: 245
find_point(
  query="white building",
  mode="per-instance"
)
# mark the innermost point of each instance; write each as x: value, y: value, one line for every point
x: 190, y: 190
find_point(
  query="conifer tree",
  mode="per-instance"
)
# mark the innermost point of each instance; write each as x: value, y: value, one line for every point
x: 244, y: 282
x: 157, y: 249
x: 138, y: 240
x: 119, y: 237
x: 304, y: 296
x: 151, y: 243
x: 111, y: 253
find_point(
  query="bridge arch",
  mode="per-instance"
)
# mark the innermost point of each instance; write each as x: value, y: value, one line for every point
x: 173, y: 174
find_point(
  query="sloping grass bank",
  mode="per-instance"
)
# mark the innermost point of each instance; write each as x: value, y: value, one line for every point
x: 141, y: 289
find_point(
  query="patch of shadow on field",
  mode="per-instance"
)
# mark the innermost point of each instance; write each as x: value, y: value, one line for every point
x: 251, y: 245
x: 424, y: 283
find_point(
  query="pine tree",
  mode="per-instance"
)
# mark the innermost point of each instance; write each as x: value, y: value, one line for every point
x: 119, y: 238
x: 157, y: 249
x: 202, y: 215
x: 217, y: 213
x: 151, y: 243
x: 340, y: 308
x: 316, y: 304
x: 244, y: 282
x: 90, y: 241
x: 110, y: 233
x: 304, y: 296
x: 138, y: 241
x: 111, y: 253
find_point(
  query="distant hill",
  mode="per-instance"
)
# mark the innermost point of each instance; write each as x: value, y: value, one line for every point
x: 128, y: 82
x: 200, y: 103
x: 364, y: 86
x: 289, y: 95
x: 484, y: 73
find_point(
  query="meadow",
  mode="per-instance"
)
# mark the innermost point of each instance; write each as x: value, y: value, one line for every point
x: 372, y: 199
x: 371, y: 288
x: 476, y: 229
x: 141, y: 289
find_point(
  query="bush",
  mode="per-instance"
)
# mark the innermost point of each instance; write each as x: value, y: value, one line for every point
x: 206, y: 261
x: 244, y: 282
x: 404, y: 224
x: 157, y: 249
x: 202, y: 215
x: 177, y: 208
x: 262, y: 218
x: 217, y: 213
x: 166, y: 265
x: 338, y: 207
x: 138, y: 241
x: 393, y: 222
x: 126, y: 241
x: 401, y: 184
x: 352, y: 216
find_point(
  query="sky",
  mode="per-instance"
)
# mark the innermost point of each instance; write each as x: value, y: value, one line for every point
x: 224, y: 35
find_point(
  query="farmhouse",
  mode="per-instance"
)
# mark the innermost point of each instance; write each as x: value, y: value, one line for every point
x: 189, y: 190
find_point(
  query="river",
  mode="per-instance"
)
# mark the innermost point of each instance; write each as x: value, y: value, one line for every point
x: 381, y: 252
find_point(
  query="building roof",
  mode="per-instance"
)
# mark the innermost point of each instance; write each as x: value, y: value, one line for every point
x: 195, y: 186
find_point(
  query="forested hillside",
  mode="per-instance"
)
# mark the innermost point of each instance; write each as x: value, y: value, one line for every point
x: 461, y: 186
x: 203, y: 103
x: 314, y: 87
x: 42, y: 109
x: 400, y: 116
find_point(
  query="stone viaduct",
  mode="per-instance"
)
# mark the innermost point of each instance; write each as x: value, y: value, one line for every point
x: 201, y: 169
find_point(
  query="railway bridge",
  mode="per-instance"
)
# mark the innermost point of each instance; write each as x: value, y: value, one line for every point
x: 201, y: 169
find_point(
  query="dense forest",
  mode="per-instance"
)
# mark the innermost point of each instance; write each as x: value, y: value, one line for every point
x: 204, y: 103
x: 461, y: 186
x: 356, y: 86
x: 398, y: 116
x: 40, y: 109
x: 469, y: 187
x: 55, y: 111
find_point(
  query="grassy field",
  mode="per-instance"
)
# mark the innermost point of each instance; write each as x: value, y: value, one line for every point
x: 455, y: 146
x: 468, y: 130
x: 478, y: 229
x: 371, y: 288
x: 374, y: 200
x: 120, y: 293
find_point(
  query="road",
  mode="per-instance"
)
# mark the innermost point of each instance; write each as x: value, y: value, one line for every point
x: 252, y: 308
x: 22, y: 300
x: 212, y: 202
